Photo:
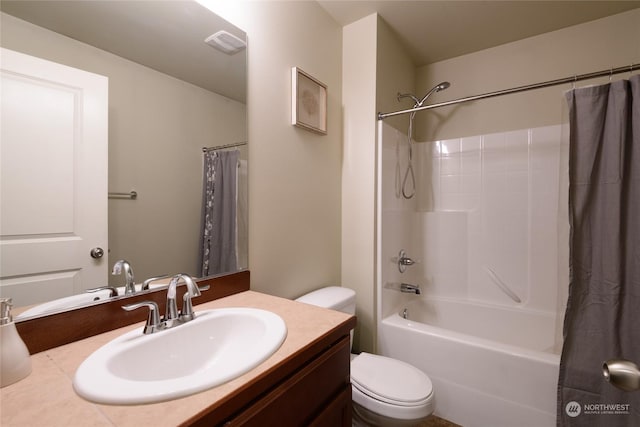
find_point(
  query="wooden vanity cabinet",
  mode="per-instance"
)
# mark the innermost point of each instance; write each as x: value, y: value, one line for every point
x: 317, y: 393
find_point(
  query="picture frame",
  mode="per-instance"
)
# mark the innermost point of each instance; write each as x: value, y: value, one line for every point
x: 308, y: 102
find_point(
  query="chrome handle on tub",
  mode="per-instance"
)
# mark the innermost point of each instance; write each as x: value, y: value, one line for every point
x: 404, y: 261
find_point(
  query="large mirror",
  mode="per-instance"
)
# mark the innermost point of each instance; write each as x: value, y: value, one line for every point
x: 171, y: 96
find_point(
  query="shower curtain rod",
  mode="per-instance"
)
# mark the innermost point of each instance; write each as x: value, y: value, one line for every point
x: 222, y: 147
x: 572, y: 79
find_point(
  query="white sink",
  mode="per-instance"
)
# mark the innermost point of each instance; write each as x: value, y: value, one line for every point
x: 76, y: 301
x: 217, y: 346
x: 65, y: 303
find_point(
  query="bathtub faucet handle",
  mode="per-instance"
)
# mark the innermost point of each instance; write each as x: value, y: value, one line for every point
x: 404, y: 261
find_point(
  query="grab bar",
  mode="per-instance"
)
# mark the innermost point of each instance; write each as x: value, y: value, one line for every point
x: 503, y: 286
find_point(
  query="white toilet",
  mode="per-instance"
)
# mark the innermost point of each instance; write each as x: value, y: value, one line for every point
x: 385, y: 391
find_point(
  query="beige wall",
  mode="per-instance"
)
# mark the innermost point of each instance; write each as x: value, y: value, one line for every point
x: 593, y: 46
x: 375, y: 68
x: 157, y: 127
x: 396, y: 73
x: 295, y: 175
x: 358, y: 173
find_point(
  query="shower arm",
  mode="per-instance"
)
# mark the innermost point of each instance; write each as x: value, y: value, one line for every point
x: 419, y: 102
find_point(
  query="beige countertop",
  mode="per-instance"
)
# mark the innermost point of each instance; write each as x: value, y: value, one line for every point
x: 46, y: 397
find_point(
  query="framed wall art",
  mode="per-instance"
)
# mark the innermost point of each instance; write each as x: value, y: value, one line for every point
x: 308, y: 102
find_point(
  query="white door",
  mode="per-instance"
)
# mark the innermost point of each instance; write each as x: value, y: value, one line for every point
x: 53, y: 179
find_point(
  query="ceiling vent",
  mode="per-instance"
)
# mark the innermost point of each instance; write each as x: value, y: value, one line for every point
x: 226, y: 42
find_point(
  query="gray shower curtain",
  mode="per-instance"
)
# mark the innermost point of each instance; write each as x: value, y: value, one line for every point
x: 602, y: 320
x: 218, y: 220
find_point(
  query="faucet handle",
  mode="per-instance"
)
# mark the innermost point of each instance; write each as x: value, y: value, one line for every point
x: 187, y: 313
x: 153, y: 321
x: 403, y: 261
x: 146, y: 283
x: 113, y: 293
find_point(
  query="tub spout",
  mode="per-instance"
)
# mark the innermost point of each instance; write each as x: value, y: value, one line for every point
x: 409, y: 289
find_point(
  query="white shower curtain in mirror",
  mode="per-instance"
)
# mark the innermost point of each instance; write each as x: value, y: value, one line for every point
x: 218, y: 222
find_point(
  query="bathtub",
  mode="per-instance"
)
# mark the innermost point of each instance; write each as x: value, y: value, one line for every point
x: 491, y: 366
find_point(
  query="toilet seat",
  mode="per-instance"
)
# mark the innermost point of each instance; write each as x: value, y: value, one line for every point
x: 391, y: 387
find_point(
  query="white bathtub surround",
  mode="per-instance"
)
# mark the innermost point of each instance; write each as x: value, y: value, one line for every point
x: 486, y: 216
x: 485, y: 229
x: 504, y: 188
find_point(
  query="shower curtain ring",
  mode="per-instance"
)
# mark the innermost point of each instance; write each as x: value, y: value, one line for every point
x: 575, y: 79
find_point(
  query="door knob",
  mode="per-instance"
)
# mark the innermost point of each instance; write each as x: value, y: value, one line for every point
x: 622, y: 373
x: 96, y: 253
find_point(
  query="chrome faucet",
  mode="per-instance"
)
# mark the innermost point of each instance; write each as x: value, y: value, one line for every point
x: 409, y: 289
x: 129, y: 285
x: 171, y: 313
x: 172, y: 317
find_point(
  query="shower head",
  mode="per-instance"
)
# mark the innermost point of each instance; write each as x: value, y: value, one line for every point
x: 436, y: 88
x: 442, y: 86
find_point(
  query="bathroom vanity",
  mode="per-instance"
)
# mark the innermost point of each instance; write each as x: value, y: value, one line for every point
x: 305, y: 382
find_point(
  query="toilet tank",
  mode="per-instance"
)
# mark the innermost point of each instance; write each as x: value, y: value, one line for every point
x: 333, y: 297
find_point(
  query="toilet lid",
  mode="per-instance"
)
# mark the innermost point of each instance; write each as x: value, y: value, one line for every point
x: 390, y: 380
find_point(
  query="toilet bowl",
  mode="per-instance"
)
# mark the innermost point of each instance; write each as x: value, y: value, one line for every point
x: 385, y: 391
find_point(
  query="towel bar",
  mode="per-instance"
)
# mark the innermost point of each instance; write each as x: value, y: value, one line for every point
x: 130, y: 195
